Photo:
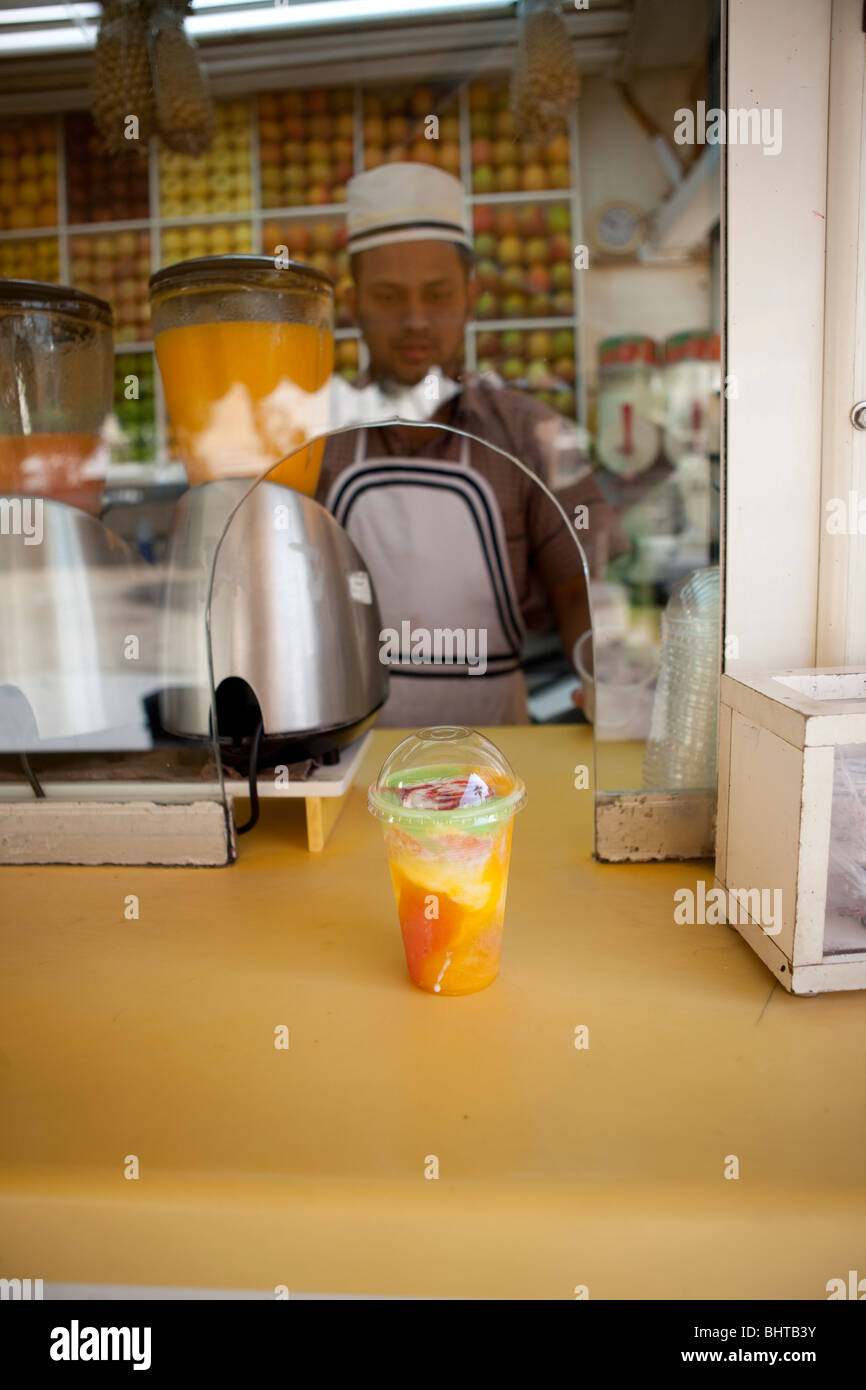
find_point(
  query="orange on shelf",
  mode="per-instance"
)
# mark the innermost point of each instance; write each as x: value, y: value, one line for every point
x: 242, y: 396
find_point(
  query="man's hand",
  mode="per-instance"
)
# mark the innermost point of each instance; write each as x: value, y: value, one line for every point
x: 571, y: 609
x: 570, y: 603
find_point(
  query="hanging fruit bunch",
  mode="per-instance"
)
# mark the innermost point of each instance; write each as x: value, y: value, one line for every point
x: 146, y: 77
x: 121, y: 88
x: 545, y: 83
x: 185, y: 116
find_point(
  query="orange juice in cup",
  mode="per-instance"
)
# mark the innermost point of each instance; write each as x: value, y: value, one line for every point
x: 447, y: 798
x: 245, y: 352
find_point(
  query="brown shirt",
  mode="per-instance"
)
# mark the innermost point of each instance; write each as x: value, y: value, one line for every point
x: 540, y: 543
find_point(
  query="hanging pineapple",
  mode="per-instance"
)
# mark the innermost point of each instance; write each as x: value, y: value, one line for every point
x: 185, y: 115
x: 146, y: 74
x: 545, y: 82
x: 122, y: 90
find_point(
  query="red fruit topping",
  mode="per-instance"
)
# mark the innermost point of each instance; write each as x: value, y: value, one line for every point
x: 447, y: 795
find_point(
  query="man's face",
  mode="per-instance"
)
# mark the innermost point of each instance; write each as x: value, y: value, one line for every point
x: 412, y: 300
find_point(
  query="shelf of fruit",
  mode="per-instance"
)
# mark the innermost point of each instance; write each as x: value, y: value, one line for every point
x: 37, y: 258
x: 134, y: 405
x: 115, y: 266
x: 306, y: 144
x: 276, y: 176
x: 540, y: 360
x: 101, y: 187
x: 320, y: 243
x: 204, y: 239
x: 500, y: 163
x: 524, y: 261
x: 218, y: 181
x: 394, y: 126
x: 29, y: 163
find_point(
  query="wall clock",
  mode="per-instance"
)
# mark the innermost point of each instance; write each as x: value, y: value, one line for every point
x: 617, y: 229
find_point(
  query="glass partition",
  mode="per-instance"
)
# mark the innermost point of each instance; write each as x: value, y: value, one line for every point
x: 398, y: 595
x: 101, y: 698
x: 587, y: 321
x: 95, y: 639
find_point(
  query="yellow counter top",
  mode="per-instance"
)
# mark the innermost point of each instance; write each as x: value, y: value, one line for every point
x: 601, y: 1167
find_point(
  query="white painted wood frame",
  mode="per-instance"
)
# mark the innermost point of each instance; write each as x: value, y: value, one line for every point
x: 776, y: 218
x: 841, y: 631
x: 794, y: 337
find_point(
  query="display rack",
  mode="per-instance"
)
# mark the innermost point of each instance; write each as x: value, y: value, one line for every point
x: 256, y: 215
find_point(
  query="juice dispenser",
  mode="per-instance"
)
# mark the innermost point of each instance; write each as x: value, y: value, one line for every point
x: 56, y: 384
x: 63, y: 675
x: 245, y: 352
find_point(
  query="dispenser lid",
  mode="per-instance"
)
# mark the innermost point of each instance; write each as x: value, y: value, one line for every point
x: 204, y: 270
x: 37, y: 294
x: 446, y: 776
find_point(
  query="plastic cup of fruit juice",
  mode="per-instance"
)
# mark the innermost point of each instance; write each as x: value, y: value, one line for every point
x: 446, y: 798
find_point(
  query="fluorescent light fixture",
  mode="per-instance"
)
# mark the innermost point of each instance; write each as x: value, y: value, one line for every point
x: 48, y: 14
x: 315, y: 12
x: 214, y: 17
x: 53, y: 40
x: 348, y: 9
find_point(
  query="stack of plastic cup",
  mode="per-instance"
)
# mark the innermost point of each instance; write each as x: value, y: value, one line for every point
x: 446, y: 798
x: 681, y: 748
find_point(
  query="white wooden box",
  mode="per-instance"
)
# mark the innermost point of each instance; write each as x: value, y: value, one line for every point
x: 778, y: 733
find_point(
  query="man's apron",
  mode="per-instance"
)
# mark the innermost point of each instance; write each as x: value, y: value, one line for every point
x: 432, y: 536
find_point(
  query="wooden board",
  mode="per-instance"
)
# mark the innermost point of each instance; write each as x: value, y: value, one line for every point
x: 198, y: 834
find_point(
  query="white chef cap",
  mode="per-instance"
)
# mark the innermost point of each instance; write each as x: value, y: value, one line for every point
x: 405, y: 202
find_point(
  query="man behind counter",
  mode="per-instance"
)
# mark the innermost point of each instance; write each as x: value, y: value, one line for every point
x: 455, y: 536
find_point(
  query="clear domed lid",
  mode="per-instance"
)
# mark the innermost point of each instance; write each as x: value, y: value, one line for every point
x: 446, y: 775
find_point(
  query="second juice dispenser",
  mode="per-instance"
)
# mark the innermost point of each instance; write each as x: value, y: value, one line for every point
x: 245, y: 352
